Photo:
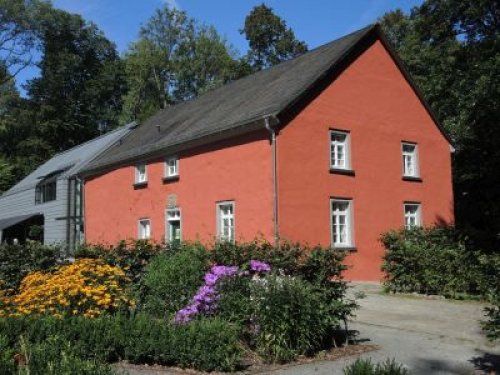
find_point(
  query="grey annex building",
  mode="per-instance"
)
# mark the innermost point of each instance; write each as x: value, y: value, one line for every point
x: 47, y: 204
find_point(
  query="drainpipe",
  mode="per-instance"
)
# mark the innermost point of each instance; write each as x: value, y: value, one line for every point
x: 68, y: 214
x: 272, y: 132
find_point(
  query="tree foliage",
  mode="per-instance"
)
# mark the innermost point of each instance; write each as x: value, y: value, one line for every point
x: 175, y: 59
x: 271, y: 40
x: 452, y: 49
x: 19, y: 26
x: 78, y: 92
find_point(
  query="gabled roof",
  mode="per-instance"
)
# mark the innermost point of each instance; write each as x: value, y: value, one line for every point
x: 70, y: 162
x: 240, y: 106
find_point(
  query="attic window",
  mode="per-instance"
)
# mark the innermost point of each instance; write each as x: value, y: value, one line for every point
x: 172, y: 167
x: 46, y: 190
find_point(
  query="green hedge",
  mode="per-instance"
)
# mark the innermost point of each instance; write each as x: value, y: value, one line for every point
x: 171, y: 279
x: 436, y: 260
x: 16, y: 261
x: 204, y: 344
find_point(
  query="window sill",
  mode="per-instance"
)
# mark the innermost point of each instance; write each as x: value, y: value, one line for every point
x: 412, y: 178
x: 140, y: 185
x: 170, y: 179
x: 350, y: 249
x: 347, y: 172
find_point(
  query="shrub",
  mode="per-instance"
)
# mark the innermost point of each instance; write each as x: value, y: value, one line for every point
x: 89, y: 287
x: 205, y: 344
x: 131, y: 256
x: 436, y: 260
x: 16, y: 261
x: 366, y: 367
x: 171, y: 279
x: 234, y: 304
x: 492, y: 326
x: 55, y: 356
x: 7, y: 365
x: 285, y: 257
x: 289, y: 318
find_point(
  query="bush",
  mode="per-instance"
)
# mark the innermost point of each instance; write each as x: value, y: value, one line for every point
x: 207, y: 344
x: 55, y: 356
x: 285, y: 257
x: 171, y: 279
x: 366, y: 367
x: 492, y: 326
x: 16, y: 261
x: 89, y: 287
x: 436, y: 260
x: 7, y: 365
x: 289, y: 318
x: 131, y: 256
x: 204, y: 344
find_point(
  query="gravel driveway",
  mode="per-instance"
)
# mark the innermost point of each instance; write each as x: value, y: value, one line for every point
x: 429, y: 336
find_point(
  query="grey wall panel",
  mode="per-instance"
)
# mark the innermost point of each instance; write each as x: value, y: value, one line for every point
x: 23, y: 203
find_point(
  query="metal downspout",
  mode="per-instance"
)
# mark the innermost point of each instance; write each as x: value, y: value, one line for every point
x: 272, y: 132
x: 68, y: 214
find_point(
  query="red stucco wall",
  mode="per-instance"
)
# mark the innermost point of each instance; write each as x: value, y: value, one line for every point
x: 238, y: 170
x: 373, y: 101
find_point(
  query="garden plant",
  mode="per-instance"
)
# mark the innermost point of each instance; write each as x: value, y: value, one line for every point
x: 166, y: 304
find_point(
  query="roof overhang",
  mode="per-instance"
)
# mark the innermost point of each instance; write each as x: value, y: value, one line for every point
x: 11, y: 221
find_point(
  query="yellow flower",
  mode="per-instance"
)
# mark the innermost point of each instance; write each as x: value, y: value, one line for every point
x: 87, y: 286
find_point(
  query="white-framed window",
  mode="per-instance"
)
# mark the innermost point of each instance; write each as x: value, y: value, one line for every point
x: 144, y: 229
x: 173, y: 225
x: 141, y: 174
x: 342, y: 222
x: 340, y: 150
x: 410, y: 159
x: 172, y: 167
x: 225, y: 221
x: 413, y: 215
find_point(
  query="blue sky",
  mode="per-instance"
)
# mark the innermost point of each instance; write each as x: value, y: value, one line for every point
x: 314, y: 21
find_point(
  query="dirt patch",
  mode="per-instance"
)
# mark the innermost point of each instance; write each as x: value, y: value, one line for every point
x: 254, y: 364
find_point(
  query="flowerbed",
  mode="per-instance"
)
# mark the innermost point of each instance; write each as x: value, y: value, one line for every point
x: 167, y: 305
x: 87, y: 287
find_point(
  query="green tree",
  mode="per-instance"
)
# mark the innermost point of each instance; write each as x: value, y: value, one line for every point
x: 78, y: 93
x: 19, y: 26
x: 452, y: 49
x: 202, y: 63
x: 175, y: 59
x: 271, y: 40
x: 150, y: 63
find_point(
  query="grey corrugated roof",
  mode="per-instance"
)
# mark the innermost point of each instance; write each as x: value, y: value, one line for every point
x: 72, y: 161
x: 267, y: 92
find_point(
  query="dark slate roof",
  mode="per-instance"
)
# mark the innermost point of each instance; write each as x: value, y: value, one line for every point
x: 238, y: 103
x: 236, y: 107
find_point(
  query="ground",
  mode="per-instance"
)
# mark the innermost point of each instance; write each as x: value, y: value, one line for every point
x: 427, y: 335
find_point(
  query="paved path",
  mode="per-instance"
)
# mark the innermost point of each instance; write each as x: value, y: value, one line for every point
x: 429, y: 336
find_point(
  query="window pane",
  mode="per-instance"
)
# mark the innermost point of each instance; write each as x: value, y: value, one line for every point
x: 341, y: 222
x: 226, y: 222
x: 338, y: 150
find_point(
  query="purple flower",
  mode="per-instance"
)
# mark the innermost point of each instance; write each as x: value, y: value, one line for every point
x: 224, y: 271
x: 258, y: 266
x: 211, y: 279
x: 205, y: 299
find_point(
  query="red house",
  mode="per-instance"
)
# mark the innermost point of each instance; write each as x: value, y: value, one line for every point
x: 333, y: 147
